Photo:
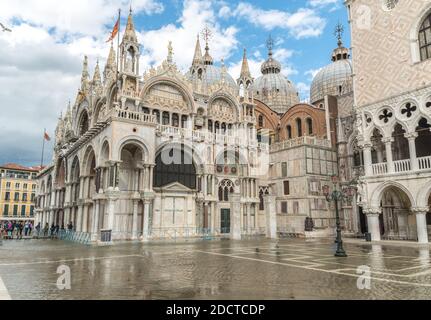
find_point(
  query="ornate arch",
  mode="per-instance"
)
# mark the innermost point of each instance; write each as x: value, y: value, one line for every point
x: 105, y: 144
x: 222, y: 115
x: 88, y: 158
x: 133, y: 139
x: 163, y: 80
x: 423, y: 195
x: 272, y: 119
x: 377, y: 195
x: 197, y: 159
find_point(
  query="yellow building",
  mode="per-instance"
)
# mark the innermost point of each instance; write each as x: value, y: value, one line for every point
x: 18, y: 187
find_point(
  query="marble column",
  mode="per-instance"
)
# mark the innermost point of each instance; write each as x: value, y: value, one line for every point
x: 84, y: 227
x: 249, y: 218
x: 412, y: 149
x: 373, y: 223
x: 368, y: 160
x: 96, y: 217
x: 389, y: 159
x: 146, y: 224
x: 135, y: 220
x: 78, y: 226
x: 271, y: 216
x: 235, y: 205
x: 421, y: 224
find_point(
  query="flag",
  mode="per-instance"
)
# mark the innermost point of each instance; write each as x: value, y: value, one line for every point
x: 46, y: 136
x: 114, y: 31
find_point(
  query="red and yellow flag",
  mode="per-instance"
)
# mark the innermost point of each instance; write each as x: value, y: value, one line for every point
x: 114, y: 31
x: 46, y: 136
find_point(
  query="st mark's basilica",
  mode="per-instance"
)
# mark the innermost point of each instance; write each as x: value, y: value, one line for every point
x: 168, y: 155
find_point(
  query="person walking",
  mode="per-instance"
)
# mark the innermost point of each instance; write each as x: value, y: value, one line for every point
x: 26, y: 228
x: 52, y: 230
x: 45, y: 230
x: 20, y: 228
x: 38, y: 229
x: 30, y: 228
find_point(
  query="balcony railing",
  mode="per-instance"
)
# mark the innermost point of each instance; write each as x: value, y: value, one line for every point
x: 135, y: 116
x: 380, y: 168
x: 424, y: 163
x: 402, y: 165
x: 306, y: 140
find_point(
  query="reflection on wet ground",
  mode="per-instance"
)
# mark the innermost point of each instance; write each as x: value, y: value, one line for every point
x: 254, y: 269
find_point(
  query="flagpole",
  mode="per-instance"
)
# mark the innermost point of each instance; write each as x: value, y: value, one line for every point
x: 43, y: 149
x: 118, y: 50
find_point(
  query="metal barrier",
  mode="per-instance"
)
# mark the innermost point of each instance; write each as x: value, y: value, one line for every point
x: 73, y: 236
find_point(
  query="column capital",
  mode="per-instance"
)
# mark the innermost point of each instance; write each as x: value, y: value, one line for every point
x: 372, y: 211
x: 113, y: 162
x: 411, y: 135
x: 388, y: 140
x: 420, y: 210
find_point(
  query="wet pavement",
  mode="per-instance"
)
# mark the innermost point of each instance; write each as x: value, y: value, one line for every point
x: 252, y: 269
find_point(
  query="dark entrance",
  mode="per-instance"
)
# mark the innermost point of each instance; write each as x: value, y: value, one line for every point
x: 363, y: 221
x: 225, y: 221
x: 382, y: 225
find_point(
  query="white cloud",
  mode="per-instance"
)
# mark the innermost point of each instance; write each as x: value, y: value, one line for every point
x: 303, y: 23
x: 312, y: 73
x: 323, y: 3
x: 304, y: 91
x: 196, y: 15
x: 72, y: 17
x: 41, y: 62
x: 255, y: 64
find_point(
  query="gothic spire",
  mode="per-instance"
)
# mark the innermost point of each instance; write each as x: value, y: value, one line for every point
x: 97, y: 80
x: 111, y: 58
x: 130, y: 33
x: 245, y: 70
x: 85, y: 75
x: 197, y: 58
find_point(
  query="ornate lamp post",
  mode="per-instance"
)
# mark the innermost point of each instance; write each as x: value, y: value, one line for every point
x: 337, y: 196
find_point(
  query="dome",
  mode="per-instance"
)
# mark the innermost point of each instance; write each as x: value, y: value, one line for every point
x: 334, y: 79
x: 274, y: 89
x: 213, y: 75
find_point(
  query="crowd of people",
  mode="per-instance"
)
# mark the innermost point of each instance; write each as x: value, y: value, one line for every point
x: 16, y: 229
x: 19, y: 229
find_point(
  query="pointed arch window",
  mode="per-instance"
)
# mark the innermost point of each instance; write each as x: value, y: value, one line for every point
x: 425, y: 38
x: 226, y: 187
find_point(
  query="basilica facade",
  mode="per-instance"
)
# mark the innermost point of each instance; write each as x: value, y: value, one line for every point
x: 168, y: 155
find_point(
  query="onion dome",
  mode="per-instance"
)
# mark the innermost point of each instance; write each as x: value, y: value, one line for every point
x: 336, y: 78
x: 272, y: 88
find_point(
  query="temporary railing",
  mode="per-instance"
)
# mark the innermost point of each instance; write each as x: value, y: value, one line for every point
x: 73, y: 236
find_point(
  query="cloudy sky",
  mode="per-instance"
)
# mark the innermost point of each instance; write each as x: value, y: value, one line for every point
x: 41, y: 59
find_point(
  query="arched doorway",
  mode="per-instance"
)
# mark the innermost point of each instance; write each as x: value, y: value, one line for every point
x: 175, y: 165
x: 132, y: 155
x: 396, y: 222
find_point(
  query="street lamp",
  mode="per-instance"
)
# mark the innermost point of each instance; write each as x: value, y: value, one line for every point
x: 337, y: 196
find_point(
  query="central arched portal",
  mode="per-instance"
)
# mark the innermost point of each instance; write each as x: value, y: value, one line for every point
x: 175, y: 165
x: 178, y: 211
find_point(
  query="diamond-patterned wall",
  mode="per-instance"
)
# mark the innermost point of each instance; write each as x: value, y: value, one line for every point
x: 382, y: 49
